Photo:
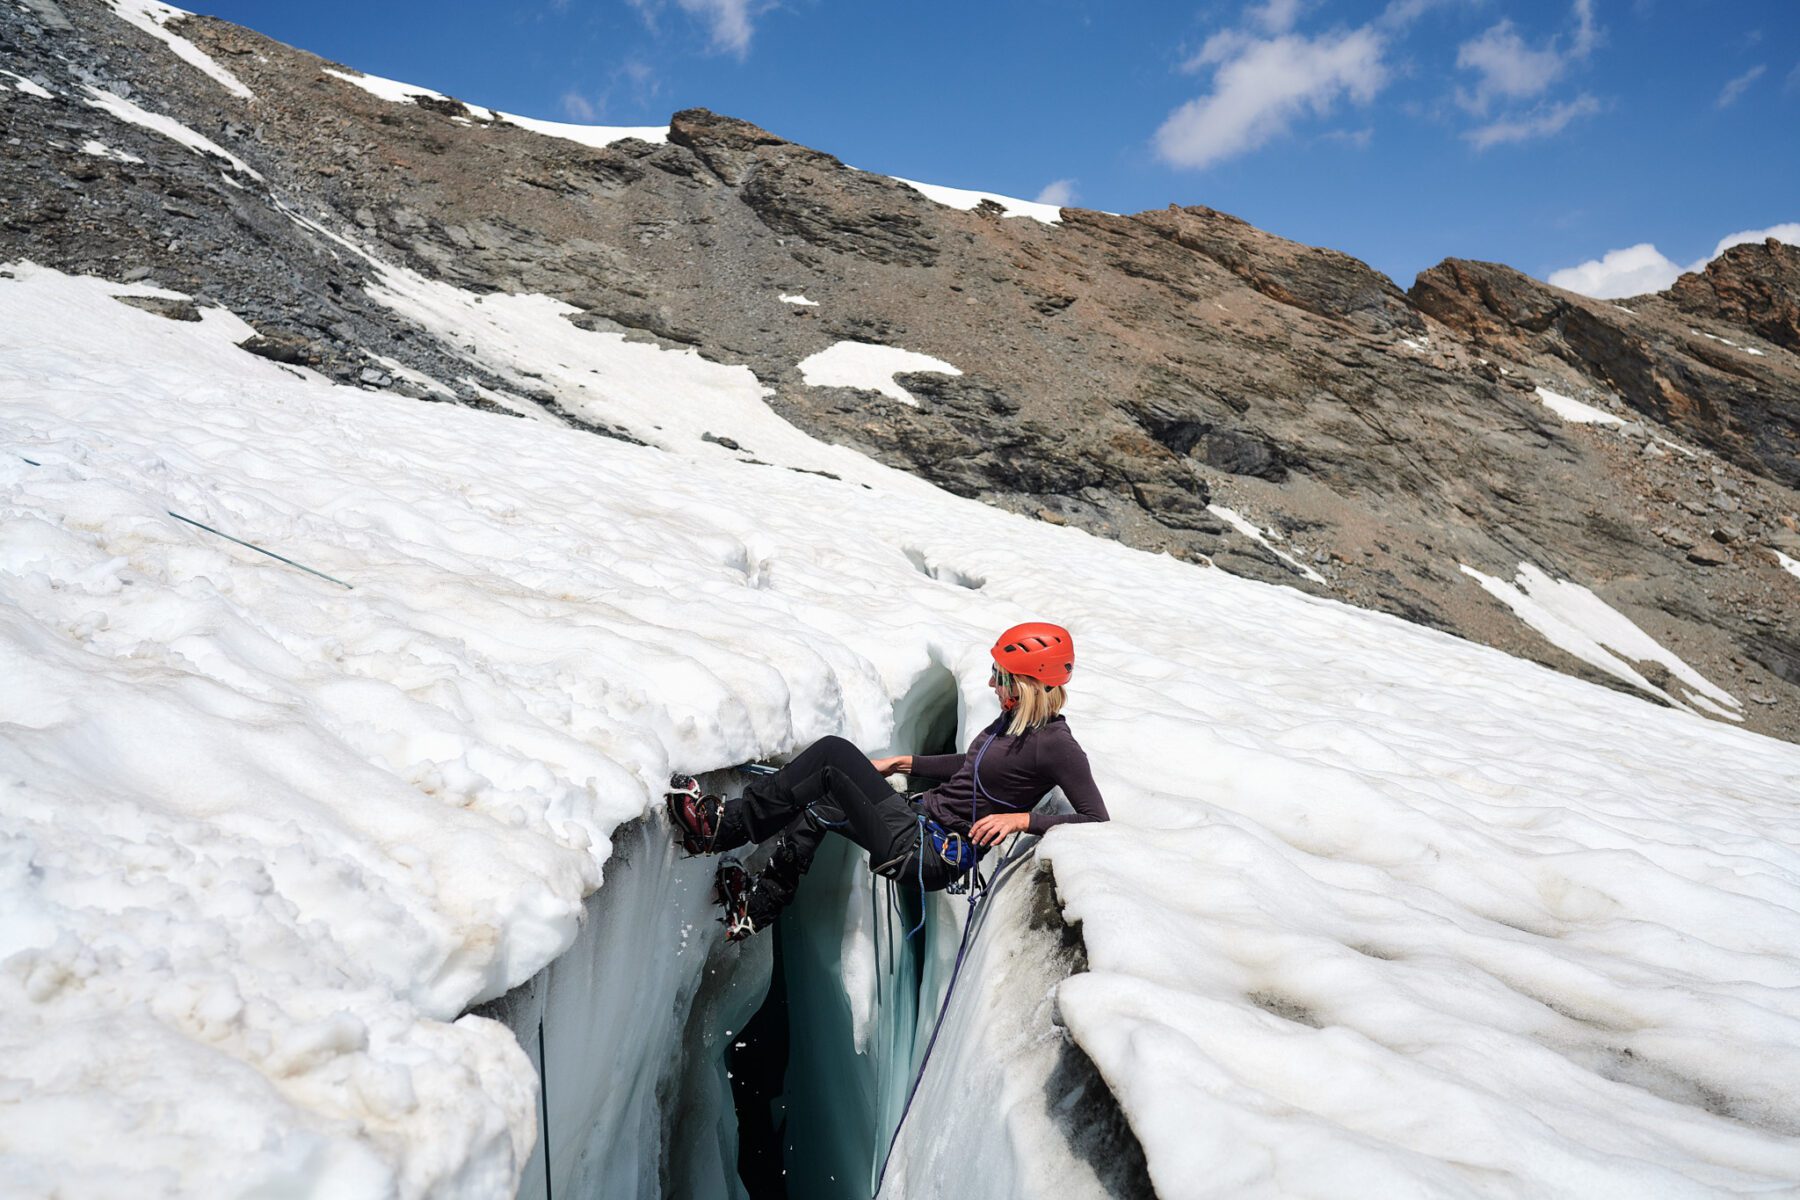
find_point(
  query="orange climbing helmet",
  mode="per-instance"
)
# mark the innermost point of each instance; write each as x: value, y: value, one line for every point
x: 1039, y: 649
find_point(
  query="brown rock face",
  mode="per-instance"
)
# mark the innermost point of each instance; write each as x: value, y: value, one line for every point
x: 1756, y: 287
x: 1124, y: 374
x: 1738, y: 399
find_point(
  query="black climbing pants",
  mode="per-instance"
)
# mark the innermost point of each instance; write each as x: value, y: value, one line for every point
x: 830, y: 787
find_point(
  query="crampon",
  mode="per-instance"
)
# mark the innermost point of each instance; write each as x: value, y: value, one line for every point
x: 696, y: 816
x: 731, y: 889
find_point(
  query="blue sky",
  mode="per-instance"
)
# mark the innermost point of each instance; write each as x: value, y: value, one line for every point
x: 1540, y: 133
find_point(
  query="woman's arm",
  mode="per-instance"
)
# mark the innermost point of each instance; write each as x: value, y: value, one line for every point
x: 935, y: 766
x: 1069, y: 767
x: 900, y: 765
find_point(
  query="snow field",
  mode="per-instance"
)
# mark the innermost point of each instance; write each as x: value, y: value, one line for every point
x: 1380, y: 912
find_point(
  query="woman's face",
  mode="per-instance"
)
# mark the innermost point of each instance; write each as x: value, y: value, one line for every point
x: 999, y: 687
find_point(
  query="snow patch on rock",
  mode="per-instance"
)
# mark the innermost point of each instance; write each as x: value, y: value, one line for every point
x: 100, y: 149
x: 168, y: 127
x: 869, y: 367
x: 1573, y: 619
x: 153, y: 18
x: 27, y: 86
x: 1263, y: 538
x: 1574, y: 411
x: 965, y: 199
x: 596, y: 136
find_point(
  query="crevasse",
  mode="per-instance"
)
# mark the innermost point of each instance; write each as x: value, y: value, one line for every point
x: 674, y: 1064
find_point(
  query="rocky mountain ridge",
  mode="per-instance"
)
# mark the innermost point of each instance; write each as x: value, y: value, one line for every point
x: 1177, y: 379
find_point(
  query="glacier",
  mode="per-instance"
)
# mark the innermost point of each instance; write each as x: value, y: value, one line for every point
x: 292, y: 874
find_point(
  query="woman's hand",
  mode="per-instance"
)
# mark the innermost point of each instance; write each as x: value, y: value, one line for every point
x: 893, y: 766
x: 998, y: 827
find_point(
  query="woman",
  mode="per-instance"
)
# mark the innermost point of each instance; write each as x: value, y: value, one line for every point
x: 987, y: 794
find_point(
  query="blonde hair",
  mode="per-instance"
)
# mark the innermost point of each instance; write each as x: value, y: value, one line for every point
x: 1036, y: 703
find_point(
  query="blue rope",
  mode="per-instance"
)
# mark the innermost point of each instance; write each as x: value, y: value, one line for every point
x: 919, y: 854
x: 253, y: 546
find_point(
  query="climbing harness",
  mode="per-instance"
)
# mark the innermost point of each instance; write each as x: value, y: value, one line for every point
x: 953, y: 848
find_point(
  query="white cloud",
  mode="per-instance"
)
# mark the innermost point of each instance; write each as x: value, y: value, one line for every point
x: 1510, y: 69
x: 1540, y: 122
x: 1587, y: 30
x: 1643, y: 268
x: 1729, y: 94
x: 1261, y: 85
x: 1274, y: 16
x: 1059, y: 192
x: 1788, y: 231
x: 578, y: 107
x: 730, y: 24
x: 1507, y: 66
x: 728, y: 21
x: 1632, y: 271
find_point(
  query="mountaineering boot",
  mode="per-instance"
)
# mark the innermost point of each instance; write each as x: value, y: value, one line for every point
x: 696, y: 817
x: 731, y: 889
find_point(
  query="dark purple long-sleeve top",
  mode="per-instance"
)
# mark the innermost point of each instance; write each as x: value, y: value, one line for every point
x: 1016, y: 772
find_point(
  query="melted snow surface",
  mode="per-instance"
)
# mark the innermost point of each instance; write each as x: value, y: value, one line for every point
x: 963, y: 198
x: 1574, y: 411
x: 1574, y: 619
x: 596, y: 136
x: 869, y: 367
x: 169, y: 127
x: 1790, y: 565
x: 1380, y: 912
x: 153, y: 18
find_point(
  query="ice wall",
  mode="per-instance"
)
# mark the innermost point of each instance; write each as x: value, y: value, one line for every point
x: 1007, y: 1105
x: 628, y: 1030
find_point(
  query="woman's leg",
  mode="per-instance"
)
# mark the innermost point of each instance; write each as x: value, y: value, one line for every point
x: 831, y: 776
x: 831, y: 786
